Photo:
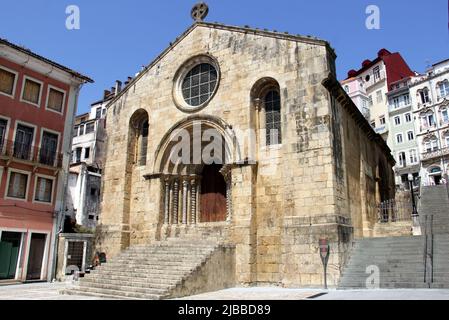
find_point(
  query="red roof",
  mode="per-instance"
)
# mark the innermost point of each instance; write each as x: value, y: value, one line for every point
x: 395, y: 65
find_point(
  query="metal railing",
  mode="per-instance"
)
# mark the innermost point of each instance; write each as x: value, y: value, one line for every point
x: 394, y: 211
x: 429, y: 240
x: 435, y: 153
x: 23, y: 151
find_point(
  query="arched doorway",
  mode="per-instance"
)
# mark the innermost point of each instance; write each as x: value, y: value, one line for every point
x: 213, y: 194
x: 193, y: 161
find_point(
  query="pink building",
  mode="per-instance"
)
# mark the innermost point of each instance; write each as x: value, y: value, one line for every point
x: 38, y: 100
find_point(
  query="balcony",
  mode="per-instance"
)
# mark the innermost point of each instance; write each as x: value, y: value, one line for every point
x: 381, y: 130
x: 435, y: 154
x: 427, y: 127
x: 425, y: 105
x: 17, y: 151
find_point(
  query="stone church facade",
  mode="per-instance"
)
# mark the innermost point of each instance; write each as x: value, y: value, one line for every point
x: 293, y: 160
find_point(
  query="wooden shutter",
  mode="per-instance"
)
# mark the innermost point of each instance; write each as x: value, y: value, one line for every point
x: 55, y: 100
x: 7, y: 81
x: 31, y: 91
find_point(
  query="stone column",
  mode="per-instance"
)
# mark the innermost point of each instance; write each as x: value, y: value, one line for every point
x: 185, y: 185
x: 175, y: 203
x: 193, y: 193
x: 167, y: 201
x: 226, y: 172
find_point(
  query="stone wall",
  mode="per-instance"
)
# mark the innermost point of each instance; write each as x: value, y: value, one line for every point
x: 284, y: 198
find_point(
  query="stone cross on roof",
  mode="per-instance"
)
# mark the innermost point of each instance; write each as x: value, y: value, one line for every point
x: 199, y: 11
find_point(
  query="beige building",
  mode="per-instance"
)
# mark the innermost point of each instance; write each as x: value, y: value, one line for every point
x: 247, y: 135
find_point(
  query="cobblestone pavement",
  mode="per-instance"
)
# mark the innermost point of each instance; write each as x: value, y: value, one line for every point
x: 50, y: 291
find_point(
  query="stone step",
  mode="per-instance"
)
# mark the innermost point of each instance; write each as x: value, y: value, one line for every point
x: 162, y: 259
x: 152, y: 278
x: 154, y: 271
x: 131, y: 265
x: 125, y: 288
x: 114, y: 293
x: 133, y: 282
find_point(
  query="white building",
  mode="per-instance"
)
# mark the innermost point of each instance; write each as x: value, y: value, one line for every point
x: 430, y: 98
x: 369, y: 86
x: 402, y: 132
x: 84, y: 185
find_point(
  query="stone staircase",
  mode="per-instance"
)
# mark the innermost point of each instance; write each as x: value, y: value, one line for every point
x: 171, y: 268
x: 401, y: 260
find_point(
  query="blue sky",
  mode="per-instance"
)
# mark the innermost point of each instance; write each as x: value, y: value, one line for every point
x: 118, y: 37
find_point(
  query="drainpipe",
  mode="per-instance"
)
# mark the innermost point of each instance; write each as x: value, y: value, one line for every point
x: 57, y: 227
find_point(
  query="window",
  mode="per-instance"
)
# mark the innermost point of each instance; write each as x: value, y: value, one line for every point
x: 376, y: 73
x: 31, y: 91
x: 396, y: 102
x: 272, y: 104
x: 430, y: 120
x: 55, y: 100
x: 7, y: 82
x: 199, y: 84
x: 373, y: 124
x: 370, y: 100
x: 75, y: 132
x: 17, y: 187
x: 90, y: 127
x: 413, y: 156
x: 410, y: 136
x: 98, y: 113
x: 402, y: 160
x: 424, y: 95
x: 397, y: 120
x: 447, y: 141
x: 431, y: 145
x: 23, y: 142
x: 399, y: 138
x: 144, y: 143
x: 78, y: 155
x: 379, y: 96
x: 103, y: 112
x: 81, y: 130
x: 444, y: 88
x: 382, y: 120
x: 408, y: 117
x: 445, y: 116
x: 347, y: 89
x: 86, y: 153
x: 407, y: 99
x: 44, y: 190
x: 3, y: 126
x: 49, y: 146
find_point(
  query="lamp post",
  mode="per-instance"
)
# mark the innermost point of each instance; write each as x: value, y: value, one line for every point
x: 415, y: 211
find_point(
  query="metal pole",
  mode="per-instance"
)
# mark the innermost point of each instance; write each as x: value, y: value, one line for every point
x: 415, y: 211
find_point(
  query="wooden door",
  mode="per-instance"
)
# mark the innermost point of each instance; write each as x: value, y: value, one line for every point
x: 36, y: 256
x: 213, y: 195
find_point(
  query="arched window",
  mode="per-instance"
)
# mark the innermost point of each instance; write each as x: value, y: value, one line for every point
x: 138, y: 143
x: 424, y: 94
x: 143, y: 143
x: 272, y: 103
x: 266, y: 98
